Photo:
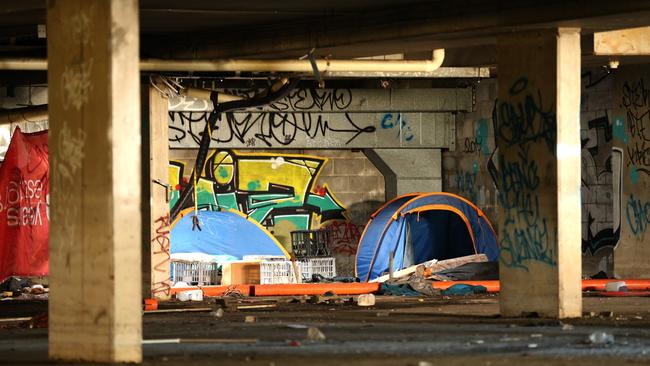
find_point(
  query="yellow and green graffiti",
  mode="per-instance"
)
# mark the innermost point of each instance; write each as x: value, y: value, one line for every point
x: 276, y: 190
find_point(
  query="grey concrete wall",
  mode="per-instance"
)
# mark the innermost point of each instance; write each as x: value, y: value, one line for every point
x: 330, y: 118
x: 406, y: 171
x: 466, y: 171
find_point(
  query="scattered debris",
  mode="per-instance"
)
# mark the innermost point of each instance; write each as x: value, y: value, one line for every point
x: 181, y: 310
x: 199, y: 340
x: 250, y: 319
x: 536, y: 335
x: 297, y: 326
x: 150, y: 304
x: 39, y: 321
x: 218, y: 313
x: 464, y: 289
x: 615, y: 286
x: 383, y: 313
x: 566, y: 327
x: 315, y: 334
x: 366, y: 300
x: 190, y: 295
x: 532, y: 345
x: 606, y: 314
x: 600, y: 338
x: 254, y: 307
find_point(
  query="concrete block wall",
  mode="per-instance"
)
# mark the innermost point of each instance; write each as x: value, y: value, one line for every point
x: 466, y: 170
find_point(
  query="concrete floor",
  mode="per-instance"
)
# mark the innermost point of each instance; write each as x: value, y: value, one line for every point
x: 397, y: 331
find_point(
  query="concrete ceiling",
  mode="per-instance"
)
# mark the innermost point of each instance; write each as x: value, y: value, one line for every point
x: 341, y: 28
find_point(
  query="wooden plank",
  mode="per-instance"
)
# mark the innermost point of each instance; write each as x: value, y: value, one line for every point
x: 623, y: 42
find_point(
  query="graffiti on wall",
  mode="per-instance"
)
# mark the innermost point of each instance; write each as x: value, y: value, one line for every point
x: 598, y: 164
x: 638, y: 215
x: 277, y: 190
x: 398, y: 123
x: 302, y: 114
x: 266, y: 129
x: 521, y: 122
x: 636, y: 102
x: 479, y: 143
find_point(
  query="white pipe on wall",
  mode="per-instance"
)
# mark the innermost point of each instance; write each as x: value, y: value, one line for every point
x: 287, y: 65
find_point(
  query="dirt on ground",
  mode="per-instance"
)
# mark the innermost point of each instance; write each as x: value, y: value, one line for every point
x: 417, y: 331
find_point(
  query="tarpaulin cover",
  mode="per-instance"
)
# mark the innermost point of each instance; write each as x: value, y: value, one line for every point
x: 223, y: 233
x: 24, y: 221
x: 421, y: 227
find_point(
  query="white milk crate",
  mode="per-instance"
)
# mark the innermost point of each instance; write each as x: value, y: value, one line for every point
x: 250, y: 258
x: 324, y: 266
x: 201, y: 273
x: 275, y: 272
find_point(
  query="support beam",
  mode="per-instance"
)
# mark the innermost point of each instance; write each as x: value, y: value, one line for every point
x: 538, y: 137
x: 406, y: 171
x: 623, y: 42
x: 158, y: 181
x: 95, y: 238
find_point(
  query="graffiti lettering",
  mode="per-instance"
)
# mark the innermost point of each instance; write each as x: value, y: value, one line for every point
x: 521, y: 123
x: 636, y: 101
x: 271, y: 128
x: 638, y: 215
x: 472, y: 145
x: 402, y: 126
x: 160, y: 245
x: 526, y: 121
x: 277, y: 190
x: 344, y: 237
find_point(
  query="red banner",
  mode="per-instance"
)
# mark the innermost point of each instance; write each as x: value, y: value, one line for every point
x: 24, y: 213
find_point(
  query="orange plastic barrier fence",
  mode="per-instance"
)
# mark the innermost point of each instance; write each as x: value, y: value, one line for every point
x: 367, y: 287
x: 316, y: 289
x: 587, y: 285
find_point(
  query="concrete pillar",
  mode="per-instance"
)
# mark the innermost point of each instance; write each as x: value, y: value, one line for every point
x: 408, y: 170
x: 538, y: 137
x: 158, y: 178
x: 95, y: 229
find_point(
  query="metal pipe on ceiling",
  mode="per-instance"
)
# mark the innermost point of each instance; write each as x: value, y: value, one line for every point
x: 246, y: 65
x: 35, y: 113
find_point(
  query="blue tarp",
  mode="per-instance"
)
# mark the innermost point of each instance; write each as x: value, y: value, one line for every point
x: 223, y: 234
x: 421, y: 227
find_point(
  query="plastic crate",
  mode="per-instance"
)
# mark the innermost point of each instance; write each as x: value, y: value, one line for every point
x: 200, y: 273
x: 325, y: 267
x: 276, y: 272
x: 310, y: 243
x: 264, y: 258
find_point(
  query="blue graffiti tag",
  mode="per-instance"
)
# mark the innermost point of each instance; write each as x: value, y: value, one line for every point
x: 403, y: 127
x: 638, y: 215
x: 525, y: 121
x: 525, y: 235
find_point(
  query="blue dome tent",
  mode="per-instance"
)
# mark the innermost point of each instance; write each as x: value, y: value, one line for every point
x: 419, y: 227
x: 226, y: 234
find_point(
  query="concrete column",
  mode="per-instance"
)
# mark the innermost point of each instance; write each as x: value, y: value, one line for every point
x: 408, y: 170
x: 538, y: 137
x: 158, y: 168
x: 95, y: 230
